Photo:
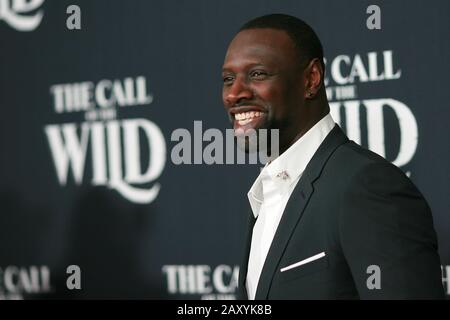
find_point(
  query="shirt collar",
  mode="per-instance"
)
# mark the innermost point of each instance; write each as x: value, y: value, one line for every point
x: 287, y: 168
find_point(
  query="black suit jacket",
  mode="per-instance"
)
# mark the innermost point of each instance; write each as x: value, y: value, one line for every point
x: 360, y: 211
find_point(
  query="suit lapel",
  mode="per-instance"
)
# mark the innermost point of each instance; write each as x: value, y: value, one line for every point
x: 243, y: 295
x: 295, y: 208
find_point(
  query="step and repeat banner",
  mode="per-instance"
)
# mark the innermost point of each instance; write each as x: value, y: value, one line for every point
x: 110, y: 185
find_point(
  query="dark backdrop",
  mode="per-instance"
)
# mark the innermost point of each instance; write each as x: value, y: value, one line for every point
x: 184, y: 241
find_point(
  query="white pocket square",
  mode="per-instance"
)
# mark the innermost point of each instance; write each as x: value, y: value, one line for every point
x: 305, y: 261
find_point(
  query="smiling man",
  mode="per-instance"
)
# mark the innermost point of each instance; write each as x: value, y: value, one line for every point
x: 330, y: 220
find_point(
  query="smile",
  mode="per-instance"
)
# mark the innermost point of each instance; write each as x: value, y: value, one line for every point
x: 245, y: 117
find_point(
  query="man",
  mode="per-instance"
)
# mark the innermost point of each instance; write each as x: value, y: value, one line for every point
x: 330, y: 220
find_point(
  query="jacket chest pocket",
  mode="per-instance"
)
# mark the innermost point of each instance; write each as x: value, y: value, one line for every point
x: 303, y: 267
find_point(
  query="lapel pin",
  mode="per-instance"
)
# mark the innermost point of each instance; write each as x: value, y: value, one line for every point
x: 283, y: 175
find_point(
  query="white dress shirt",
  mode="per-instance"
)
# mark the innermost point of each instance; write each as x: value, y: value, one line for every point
x: 271, y: 191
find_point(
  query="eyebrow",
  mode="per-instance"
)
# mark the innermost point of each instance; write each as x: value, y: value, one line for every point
x: 251, y: 65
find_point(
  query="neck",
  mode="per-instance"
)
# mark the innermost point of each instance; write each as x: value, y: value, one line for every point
x: 319, y: 108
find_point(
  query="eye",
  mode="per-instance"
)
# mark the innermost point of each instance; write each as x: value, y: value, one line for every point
x: 227, y: 80
x: 258, y: 74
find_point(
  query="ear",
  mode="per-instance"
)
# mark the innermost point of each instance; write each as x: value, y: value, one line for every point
x: 313, y: 78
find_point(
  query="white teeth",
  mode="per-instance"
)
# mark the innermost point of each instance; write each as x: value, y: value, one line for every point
x: 247, y: 115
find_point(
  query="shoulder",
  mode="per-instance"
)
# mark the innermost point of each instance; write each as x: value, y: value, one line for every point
x: 363, y: 166
x: 365, y: 177
x: 377, y: 190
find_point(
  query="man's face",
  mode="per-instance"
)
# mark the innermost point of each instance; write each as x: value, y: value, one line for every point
x: 263, y: 83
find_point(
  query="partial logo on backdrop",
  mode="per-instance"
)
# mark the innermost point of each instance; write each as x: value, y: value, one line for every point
x: 127, y: 154
x: 203, y: 281
x: 446, y: 278
x: 18, y: 281
x: 22, y: 15
x: 344, y: 75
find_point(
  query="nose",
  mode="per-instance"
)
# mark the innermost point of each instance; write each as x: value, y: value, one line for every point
x: 239, y: 90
